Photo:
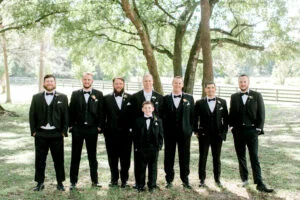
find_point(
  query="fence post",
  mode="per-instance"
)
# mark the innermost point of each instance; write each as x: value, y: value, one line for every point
x: 277, y: 93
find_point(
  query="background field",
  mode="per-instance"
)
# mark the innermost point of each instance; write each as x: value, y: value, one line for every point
x: 279, y: 156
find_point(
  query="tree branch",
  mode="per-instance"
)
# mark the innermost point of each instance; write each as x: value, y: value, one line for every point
x: 237, y: 43
x: 163, y: 50
x: 163, y: 10
x: 31, y: 23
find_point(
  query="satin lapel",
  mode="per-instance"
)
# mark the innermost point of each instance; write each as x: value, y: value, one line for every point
x: 170, y: 101
x: 124, y: 101
x: 81, y: 100
x: 42, y: 97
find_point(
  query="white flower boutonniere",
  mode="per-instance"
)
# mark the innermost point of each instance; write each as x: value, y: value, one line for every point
x: 124, y: 97
x: 153, y: 97
x: 250, y: 97
x: 56, y: 94
x: 185, y: 100
x: 94, y: 98
x: 219, y: 102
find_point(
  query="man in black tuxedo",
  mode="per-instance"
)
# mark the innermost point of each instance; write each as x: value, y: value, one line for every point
x: 148, y: 140
x: 211, y: 127
x: 48, y: 118
x: 86, y: 122
x: 147, y: 94
x: 117, y: 132
x: 178, y: 127
x: 247, y: 117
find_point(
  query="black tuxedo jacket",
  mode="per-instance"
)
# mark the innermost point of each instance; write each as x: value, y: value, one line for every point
x: 138, y: 99
x: 95, y: 110
x: 116, y: 119
x: 202, y: 117
x: 255, y: 109
x: 187, y: 102
x: 38, y: 110
x: 139, y: 132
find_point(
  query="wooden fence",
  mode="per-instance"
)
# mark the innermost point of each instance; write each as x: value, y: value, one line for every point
x: 224, y: 91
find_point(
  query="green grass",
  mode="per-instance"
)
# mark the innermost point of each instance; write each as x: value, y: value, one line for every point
x: 279, y: 152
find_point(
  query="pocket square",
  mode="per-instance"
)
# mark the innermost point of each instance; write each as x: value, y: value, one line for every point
x: 128, y: 104
x: 156, y: 124
x: 221, y: 108
x: 58, y: 102
x: 156, y: 102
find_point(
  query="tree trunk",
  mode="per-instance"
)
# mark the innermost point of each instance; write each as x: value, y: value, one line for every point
x: 4, y: 112
x: 8, y: 96
x: 205, y: 43
x: 146, y: 43
x: 190, y: 73
x: 42, y: 64
x: 3, y: 83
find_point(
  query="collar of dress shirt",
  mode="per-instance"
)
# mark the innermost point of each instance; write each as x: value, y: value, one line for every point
x: 147, y: 93
x: 176, y: 94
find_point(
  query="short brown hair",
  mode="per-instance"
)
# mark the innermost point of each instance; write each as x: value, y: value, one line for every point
x: 209, y: 83
x: 147, y: 102
x: 49, y: 76
x: 120, y: 78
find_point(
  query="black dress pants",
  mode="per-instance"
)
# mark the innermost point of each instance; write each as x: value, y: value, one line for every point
x: 42, y: 146
x: 247, y: 137
x: 215, y: 143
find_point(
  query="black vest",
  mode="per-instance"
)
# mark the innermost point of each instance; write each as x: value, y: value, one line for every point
x: 246, y: 121
x: 177, y: 116
x: 49, y: 113
x: 212, y: 128
x: 147, y: 140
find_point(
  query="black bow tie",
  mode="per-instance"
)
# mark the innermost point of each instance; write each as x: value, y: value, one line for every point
x: 49, y: 93
x: 118, y: 94
x: 177, y: 96
x: 147, y: 118
x: 213, y: 99
x: 246, y: 93
x: 86, y: 92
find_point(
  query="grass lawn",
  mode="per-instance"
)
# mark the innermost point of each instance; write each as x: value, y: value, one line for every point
x: 279, y: 152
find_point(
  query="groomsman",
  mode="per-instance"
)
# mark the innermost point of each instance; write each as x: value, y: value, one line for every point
x: 86, y: 122
x: 146, y: 94
x: 48, y: 118
x: 247, y: 117
x: 211, y: 127
x: 118, y: 136
x: 178, y: 127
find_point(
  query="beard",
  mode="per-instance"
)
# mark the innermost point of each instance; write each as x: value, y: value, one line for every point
x: 120, y: 92
x: 49, y: 88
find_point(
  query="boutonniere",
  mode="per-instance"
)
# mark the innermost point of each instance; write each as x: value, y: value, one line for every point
x: 156, y: 124
x: 153, y: 97
x: 56, y: 94
x: 94, y: 98
x: 59, y: 102
x: 250, y: 97
x: 124, y: 97
x: 219, y: 102
x: 185, y: 100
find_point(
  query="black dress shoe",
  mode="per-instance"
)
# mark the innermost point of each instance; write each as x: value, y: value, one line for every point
x: 96, y: 185
x: 60, y: 187
x: 140, y: 189
x: 186, y: 185
x: 152, y: 189
x: 202, y: 184
x: 263, y: 188
x: 73, y: 187
x: 39, y: 187
x: 219, y: 184
x: 113, y: 184
x: 169, y: 185
x: 124, y: 185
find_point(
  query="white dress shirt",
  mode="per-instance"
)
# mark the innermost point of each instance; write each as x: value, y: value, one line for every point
x: 245, y: 97
x: 87, y: 95
x: 211, y: 104
x: 119, y: 101
x: 147, y: 95
x: 176, y: 100
x: 148, y: 121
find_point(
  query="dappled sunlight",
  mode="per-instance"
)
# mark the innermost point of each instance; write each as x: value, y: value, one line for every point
x: 15, y: 143
x: 24, y: 157
x: 9, y: 135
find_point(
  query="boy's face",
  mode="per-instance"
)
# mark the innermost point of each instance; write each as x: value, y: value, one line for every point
x: 148, y: 109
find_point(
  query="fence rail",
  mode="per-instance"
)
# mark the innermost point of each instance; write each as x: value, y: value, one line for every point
x: 225, y: 91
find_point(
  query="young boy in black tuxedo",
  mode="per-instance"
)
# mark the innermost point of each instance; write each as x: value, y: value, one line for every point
x: 148, y: 140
